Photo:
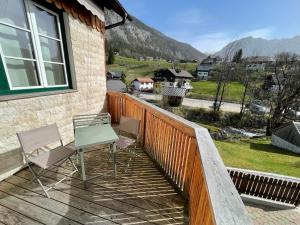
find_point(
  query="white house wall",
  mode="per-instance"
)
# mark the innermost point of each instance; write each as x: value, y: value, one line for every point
x: 144, y: 86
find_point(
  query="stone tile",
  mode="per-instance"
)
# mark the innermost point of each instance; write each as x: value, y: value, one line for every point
x: 265, y: 215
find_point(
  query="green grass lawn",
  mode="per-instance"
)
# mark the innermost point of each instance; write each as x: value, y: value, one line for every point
x: 202, y: 89
x: 260, y: 155
x: 207, y: 90
x: 134, y: 68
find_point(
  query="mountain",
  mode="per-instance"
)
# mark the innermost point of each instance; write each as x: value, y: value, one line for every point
x: 136, y: 39
x: 262, y: 47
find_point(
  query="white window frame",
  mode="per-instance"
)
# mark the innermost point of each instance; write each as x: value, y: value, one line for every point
x: 37, y: 50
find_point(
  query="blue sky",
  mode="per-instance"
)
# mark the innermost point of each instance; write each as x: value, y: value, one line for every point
x: 209, y: 25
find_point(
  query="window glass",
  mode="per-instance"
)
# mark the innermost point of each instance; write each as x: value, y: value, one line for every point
x: 13, y: 12
x: 15, y: 42
x: 46, y: 22
x: 55, y: 74
x: 32, y: 52
x: 51, y: 50
x: 22, y: 73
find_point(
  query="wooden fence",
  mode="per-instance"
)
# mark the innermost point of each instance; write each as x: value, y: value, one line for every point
x: 186, y: 154
x: 267, y: 186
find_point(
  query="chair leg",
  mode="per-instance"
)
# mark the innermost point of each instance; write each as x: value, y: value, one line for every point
x: 74, y: 166
x: 35, y: 177
x: 37, y: 174
x: 109, y: 153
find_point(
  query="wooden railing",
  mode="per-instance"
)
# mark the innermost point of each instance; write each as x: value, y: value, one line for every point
x: 267, y: 186
x: 187, y: 155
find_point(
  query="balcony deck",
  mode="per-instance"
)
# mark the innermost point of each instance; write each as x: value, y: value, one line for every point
x: 142, y: 195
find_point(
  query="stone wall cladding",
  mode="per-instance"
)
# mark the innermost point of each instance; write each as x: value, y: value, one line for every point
x: 19, y: 115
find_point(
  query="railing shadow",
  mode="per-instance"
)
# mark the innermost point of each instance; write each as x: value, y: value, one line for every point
x: 272, y: 149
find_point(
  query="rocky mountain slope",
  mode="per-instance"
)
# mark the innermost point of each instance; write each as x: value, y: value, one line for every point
x: 262, y: 47
x: 136, y: 39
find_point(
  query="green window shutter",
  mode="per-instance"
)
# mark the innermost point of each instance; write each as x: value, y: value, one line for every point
x: 3, y: 80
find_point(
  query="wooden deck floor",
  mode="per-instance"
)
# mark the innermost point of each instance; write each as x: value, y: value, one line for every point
x: 139, y: 196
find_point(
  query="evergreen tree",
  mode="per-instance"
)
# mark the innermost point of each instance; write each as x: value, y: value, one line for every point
x: 111, y: 57
x: 237, y: 58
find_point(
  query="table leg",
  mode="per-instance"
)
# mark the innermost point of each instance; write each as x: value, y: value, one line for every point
x: 114, y: 159
x: 82, y: 166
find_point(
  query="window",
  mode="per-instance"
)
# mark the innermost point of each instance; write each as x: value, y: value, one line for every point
x: 31, y: 47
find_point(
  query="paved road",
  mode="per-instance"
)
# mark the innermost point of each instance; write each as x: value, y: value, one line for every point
x: 197, y: 103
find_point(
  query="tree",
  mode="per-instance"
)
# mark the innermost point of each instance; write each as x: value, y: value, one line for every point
x: 251, y: 81
x: 111, y: 57
x: 238, y: 55
x: 123, y: 77
x: 224, y: 73
x: 244, y: 76
x: 286, y: 80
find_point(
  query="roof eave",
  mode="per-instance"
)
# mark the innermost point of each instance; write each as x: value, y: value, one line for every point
x: 116, y: 6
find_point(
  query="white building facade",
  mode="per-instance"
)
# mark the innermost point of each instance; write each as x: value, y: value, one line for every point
x: 143, y: 84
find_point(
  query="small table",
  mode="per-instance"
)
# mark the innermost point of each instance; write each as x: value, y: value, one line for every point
x: 95, y: 135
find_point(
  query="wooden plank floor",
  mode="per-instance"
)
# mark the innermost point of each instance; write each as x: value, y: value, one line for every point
x: 141, y: 195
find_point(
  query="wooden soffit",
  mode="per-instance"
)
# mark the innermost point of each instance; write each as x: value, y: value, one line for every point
x: 81, y: 12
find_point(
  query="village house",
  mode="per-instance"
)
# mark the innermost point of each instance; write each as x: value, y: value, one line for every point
x: 272, y: 82
x: 114, y: 75
x: 287, y: 137
x: 258, y: 63
x: 206, y: 67
x: 143, y: 84
x: 173, y: 78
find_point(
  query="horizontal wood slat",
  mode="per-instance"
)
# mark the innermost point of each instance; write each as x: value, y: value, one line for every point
x: 79, y: 12
x: 268, y: 186
x: 172, y: 144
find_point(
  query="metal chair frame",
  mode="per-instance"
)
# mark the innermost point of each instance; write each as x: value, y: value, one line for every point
x: 132, y: 153
x: 91, y: 120
x: 40, y: 147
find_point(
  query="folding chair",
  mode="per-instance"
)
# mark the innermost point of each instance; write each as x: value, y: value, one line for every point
x: 34, y: 144
x: 127, y: 129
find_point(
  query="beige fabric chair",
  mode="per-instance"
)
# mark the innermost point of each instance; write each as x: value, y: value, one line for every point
x: 128, y: 136
x: 34, y: 144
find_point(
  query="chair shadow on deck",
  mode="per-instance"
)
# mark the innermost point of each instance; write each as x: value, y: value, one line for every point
x: 141, y: 195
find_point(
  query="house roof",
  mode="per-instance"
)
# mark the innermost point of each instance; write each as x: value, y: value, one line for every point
x: 181, y: 74
x: 259, y: 59
x: 211, y: 60
x: 173, y: 91
x: 289, y: 132
x: 116, y: 74
x: 116, y: 86
x: 144, y: 79
x: 114, y: 5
